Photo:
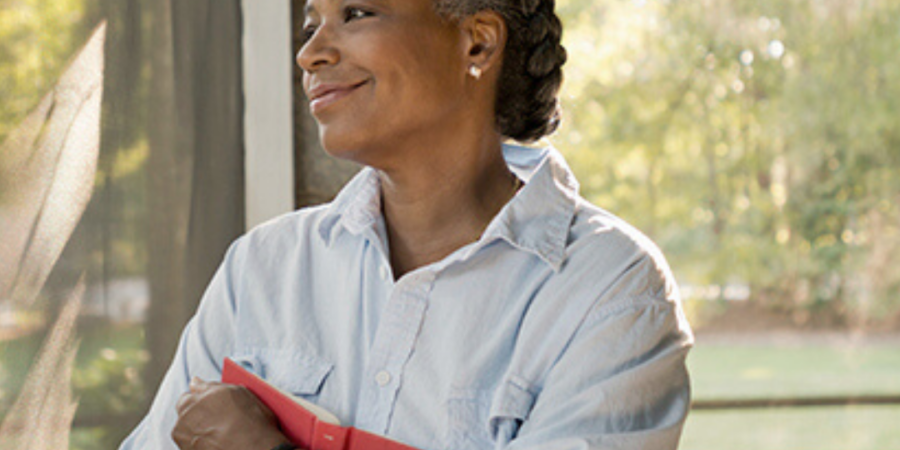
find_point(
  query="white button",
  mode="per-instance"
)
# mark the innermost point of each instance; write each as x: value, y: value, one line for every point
x: 383, y: 378
x: 384, y: 273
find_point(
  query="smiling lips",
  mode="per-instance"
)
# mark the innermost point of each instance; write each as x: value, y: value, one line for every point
x: 324, y: 95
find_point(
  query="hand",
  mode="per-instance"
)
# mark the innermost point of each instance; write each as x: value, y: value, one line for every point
x: 218, y: 416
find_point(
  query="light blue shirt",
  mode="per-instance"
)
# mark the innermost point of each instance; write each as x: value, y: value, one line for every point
x: 560, y: 328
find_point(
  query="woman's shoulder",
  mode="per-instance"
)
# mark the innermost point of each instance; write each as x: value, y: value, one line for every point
x: 594, y: 227
x: 605, y: 254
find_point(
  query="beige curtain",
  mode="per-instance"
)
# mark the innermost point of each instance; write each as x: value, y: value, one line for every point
x: 111, y: 224
x: 196, y: 199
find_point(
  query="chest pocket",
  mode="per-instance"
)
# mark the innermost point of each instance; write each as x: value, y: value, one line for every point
x: 300, y: 374
x: 486, y: 419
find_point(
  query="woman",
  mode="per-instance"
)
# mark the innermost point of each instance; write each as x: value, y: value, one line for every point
x: 458, y: 293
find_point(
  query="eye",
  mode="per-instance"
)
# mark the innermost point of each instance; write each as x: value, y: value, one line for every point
x: 353, y: 13
x: 307, y: 33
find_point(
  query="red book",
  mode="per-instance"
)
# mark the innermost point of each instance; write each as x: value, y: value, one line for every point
x: 306, y: 424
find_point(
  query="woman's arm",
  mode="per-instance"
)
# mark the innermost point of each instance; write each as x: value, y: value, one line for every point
x: 621, y: 384
x: 205, y: 341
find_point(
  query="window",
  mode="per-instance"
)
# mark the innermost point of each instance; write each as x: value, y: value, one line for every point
x: 756, y: 142
x: 121, y: 185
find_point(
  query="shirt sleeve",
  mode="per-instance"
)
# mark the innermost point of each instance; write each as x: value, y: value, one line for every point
x: 205, y: 341
x: 620, y: 384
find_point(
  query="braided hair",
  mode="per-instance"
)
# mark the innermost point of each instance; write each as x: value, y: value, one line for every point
x: 531, y: 71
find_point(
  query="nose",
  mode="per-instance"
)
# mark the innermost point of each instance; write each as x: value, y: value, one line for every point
x: 319, y: 50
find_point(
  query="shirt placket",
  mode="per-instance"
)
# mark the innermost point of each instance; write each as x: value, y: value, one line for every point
x: 394, y: 342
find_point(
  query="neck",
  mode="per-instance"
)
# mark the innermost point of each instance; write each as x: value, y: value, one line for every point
x: 443, y: 204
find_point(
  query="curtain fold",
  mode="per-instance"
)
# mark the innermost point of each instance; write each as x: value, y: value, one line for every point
x: 146, y: 191
x: 201, y: 148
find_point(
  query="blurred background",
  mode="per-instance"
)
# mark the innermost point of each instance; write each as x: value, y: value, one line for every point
x: 757, y: 142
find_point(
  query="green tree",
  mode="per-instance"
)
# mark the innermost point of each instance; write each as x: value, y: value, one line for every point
x: 754, y: 140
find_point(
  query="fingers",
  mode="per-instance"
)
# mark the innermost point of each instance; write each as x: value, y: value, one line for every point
x: 220, y: 416
x: 188, y: 431
x: 196, y: 389
x: 188, y: 426
x: 183, y: 438
x: 188, y: 440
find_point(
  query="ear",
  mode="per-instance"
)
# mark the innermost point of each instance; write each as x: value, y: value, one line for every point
x: 485, y: 39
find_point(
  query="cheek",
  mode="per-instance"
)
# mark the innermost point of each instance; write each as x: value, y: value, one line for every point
x: 423, y: 64
x: 425, y: 90
x: 415, y: 84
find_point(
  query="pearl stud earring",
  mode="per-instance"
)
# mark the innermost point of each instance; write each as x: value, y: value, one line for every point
x: 475, y: 71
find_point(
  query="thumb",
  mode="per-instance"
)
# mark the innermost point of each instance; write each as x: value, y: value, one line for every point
x: 197, y: 384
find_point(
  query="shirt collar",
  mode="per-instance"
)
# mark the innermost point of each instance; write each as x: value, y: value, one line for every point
x: 536, y: 220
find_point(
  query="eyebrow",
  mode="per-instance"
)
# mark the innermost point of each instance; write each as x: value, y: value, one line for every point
x: 309, y: 8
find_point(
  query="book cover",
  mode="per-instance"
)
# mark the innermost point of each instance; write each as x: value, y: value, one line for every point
x: 306, y: 424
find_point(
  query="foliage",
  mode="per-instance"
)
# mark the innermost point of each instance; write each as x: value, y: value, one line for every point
x: 39, y: 37
x: 46, y: 394
x: 111, y: 382
x: 755, y: 140
x: 105, y: 380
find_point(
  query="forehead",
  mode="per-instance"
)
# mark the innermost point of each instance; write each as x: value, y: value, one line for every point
x: 315, y: 6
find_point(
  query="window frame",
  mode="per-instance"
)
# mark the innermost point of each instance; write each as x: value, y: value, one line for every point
x: 268, y: 113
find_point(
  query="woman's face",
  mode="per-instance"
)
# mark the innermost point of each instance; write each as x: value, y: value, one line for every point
x: 380, y: 74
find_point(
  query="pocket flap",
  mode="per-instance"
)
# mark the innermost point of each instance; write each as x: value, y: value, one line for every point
x: 510, y: 407
x: 296, y: 373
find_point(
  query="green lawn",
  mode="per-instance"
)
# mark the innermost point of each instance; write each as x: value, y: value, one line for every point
x: 809, y: 369
x: 833, y: 428
x: 734, y: 370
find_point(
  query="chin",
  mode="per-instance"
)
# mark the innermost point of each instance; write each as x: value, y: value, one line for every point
x: 342, y: 145
x: 362, y: 141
